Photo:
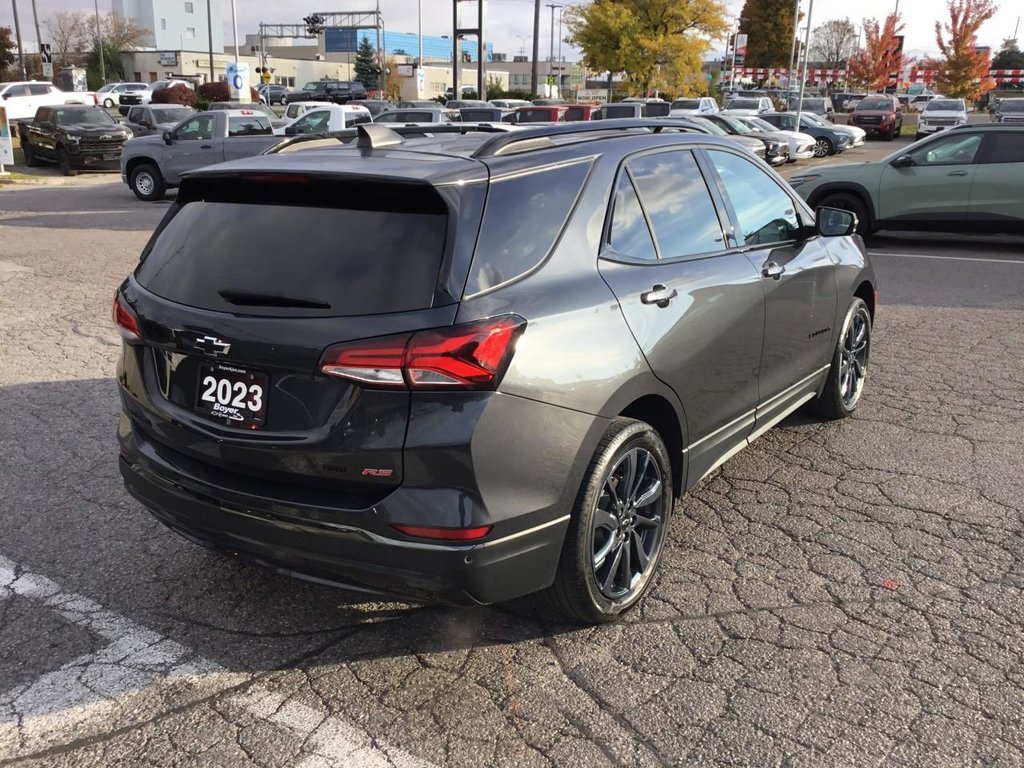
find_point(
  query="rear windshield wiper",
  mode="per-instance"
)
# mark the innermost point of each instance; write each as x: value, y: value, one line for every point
x: 250, y: 299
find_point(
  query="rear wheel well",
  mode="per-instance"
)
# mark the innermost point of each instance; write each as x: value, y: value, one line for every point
x: 866, y: 292
x: 659, y: 413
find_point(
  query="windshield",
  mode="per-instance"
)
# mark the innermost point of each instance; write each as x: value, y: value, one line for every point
x: 815, y: 120
x: 945, y: 105
x: 763, y: 125
x: 1012, y: 105
x: 866, y: 104
x: 686, y: 104
x: 744, y: 104
x: 712, y: 126
x: 171, y: 114
x: 814, y: 104
x: 737, y: 125
x: 89, y: 115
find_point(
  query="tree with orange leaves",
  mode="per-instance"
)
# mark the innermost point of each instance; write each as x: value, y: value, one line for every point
x: 963, y: 69
x: 871, y: 65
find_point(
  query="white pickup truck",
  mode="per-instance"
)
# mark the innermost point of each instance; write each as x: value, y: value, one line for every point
x: 326, y: 119
x: 21, y: 99
x: 150, y: 165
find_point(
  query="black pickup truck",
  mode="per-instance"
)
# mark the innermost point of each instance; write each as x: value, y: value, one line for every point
x: 73, y: 137
x: 336, y: 91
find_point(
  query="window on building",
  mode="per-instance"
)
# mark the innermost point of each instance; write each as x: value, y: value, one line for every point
x: 190, y: 33
x: 163, y: 23
x: 189, y: 8
x: 152, y: 77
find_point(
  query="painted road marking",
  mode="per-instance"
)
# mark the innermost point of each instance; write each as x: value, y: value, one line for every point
x: 946, y: 258
x: 53, y: 708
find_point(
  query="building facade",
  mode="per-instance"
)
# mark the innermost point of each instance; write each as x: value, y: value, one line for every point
x: 177, y: 25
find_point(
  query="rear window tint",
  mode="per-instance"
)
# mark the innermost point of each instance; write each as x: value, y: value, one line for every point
x: 249, y: 126
x: 356, y: 262
x: 523, y: 218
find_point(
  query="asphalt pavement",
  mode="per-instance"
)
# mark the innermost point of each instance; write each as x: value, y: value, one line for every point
x: 842, y: 594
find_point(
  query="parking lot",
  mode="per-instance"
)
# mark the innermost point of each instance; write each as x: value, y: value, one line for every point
x: 837, y: 595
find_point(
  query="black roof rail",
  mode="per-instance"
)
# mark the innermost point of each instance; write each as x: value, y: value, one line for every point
x: 534, y: 138
x: 348, y: 134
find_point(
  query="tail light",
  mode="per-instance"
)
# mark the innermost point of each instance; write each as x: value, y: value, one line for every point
x: 125, y: 320
x: 443, y: 534
x: 471, y: 356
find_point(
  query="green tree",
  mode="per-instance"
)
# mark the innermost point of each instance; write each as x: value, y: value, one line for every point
x: 656, y: 43
x: 367, y: 69
x: 769, y: 27
x: 113, y: 65
x: 7, y: 46
x: 1009, y: 56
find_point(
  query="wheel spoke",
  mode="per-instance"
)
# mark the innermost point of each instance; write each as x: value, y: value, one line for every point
x: 859, y: 368
x: 605, y: 519
x: 648, y: 522
x: 650, y: 495
x: 609, y: 580
x: 638, y: 480
x: 602, y: 554
x: 641, y: 556
x: 627, y: 564
x: 612, y: 489
x: 628, y: 477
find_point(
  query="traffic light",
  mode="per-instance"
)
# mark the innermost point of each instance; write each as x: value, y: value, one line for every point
x: 314, y: 24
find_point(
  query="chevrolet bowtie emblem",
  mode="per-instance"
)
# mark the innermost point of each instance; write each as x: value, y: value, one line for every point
x: 211, y: 345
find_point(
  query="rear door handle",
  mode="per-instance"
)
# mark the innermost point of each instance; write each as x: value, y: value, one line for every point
x: 659, y: 295
x: 957, y: 173
x: 206, y: 146
x: 772, y: 269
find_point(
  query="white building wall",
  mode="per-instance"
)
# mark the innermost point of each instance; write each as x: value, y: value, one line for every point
x: 176, y: 24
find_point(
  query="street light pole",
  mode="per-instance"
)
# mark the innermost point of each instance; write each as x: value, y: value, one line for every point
x: 21, y: 48
x: 535, y: 68
x: 551, y: 50
x: 792, y: 53
x: 99, y: 45
x: 209, y: 34
x: 803, y: 76
x: 39, y: 37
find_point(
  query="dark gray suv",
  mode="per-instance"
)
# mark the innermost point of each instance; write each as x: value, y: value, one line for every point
x: 462, y: 365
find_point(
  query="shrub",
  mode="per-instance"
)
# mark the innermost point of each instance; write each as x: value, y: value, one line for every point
x: 175, y: 94
x: 219, y: 91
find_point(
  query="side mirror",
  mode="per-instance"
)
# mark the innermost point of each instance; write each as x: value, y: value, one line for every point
x: 833, y: 222
x: 168, y: 137
x: 290, y: 131
x: 903, y: 161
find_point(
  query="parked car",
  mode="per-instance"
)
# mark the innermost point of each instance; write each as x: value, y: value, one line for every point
x: 634, y: 110
x: 271, y: 93
x: 334, y: 91
x: 801, y: 145
x: 857, y: 135
x: 156, y: 118
x: 312, y: 413
x: 815, y: 105
x: 827, y: 141
x: 487, y: 115
x: 744, y: 106
x: 964, y: 179
x: 376, y: 106
x: 755, y: 146
x: 296, y: 108
x: 467, y: 104
x: 329, y: 119
x: 263, y: 109
x: 574, y: 113
x: 879, y: 115
x: 130, y: 99
x: 150, y: 165
x: 22, y: 98
x: 548, y: 102
x: 1009, y: 111
x: 419, y: 104
x: 510, y: 103
x: 941, y: 114
x: 776, y: 148
x: 704, y: 105
x: 920, y: 102
x: 109, y: 95
x: 438, y: 114
x: 852, y: 101
x: 531, y: 114
x: 74, y: 138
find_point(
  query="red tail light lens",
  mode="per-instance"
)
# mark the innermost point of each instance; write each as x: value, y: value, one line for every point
x: 444, y: 534
x: 470, y: 356
x: 125, y: 320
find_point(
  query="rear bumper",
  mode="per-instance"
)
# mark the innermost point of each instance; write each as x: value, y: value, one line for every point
x: 347, y: 555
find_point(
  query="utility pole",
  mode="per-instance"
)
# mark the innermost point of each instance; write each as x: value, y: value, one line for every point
x: 551, y: 50
x: 39, y: 37
x: 535, y: 69
x: 99, y: 45
x: 209, y: 35
x: 21, y: 48
x: 234, y: 27
x: 792, y: 52
x: 803, y: 76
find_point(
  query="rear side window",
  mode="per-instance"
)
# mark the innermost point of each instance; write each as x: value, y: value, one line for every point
x: 523, y: 217
x: 249, y: 126
x: 298, y: 259
x: 630, y: 234
x: 39, y: 89
x: 1006, y: 148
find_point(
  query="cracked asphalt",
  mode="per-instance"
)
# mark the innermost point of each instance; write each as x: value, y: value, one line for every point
x: 844, y: 594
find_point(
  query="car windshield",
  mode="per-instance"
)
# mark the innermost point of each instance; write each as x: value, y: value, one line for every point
x: 171, y: 114
x: 760, y: 124
x: 866, y: 104
x: 686, y: 104
x: 1012, y: 105
x: 712, y: 126
x: 744, y: 104
x: 89, y: 115
x: 945, y: 105
x: 107, y: 87
x: 737, y: 125
x: 815, y: 120
x: 814, y: 104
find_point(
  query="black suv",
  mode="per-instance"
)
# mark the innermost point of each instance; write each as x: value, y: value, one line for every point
x: 336, y: 91
x: 536, y: 342
x: 75, y: 138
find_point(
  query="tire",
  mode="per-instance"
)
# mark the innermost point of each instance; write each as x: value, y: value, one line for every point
x: 823, y: 147
x: 147, y: 183
x: 64, y: 162
x: 30, y: 154
x: 847, y: 201
x: 918, y: 136
x: 108, y: 103
x: 845, y: 383
x: 608, y: 529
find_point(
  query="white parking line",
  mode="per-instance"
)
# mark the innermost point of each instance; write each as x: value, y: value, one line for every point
x: 53, y: 708
x: 946, y: 258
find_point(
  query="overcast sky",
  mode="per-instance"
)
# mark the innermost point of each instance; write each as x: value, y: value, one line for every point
x: 509, y: 19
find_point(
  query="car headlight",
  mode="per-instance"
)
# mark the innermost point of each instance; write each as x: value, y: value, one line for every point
x: 796, y: 181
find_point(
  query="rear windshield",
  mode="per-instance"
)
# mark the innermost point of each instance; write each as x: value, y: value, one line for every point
x: 535, y: 116
x: 288, y: 259
x: 686, y: 104
x: 1012, y: 105
x: 619, y: 110
x: 744, y: 104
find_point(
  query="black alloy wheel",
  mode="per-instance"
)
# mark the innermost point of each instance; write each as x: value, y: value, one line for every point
x: 849, y: 369
x: 64, y: 162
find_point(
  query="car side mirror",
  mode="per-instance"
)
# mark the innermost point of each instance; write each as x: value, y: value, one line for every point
x: 834, y: 222
x: 168, y: 137
x: 290, y: 131
x: 903, y: 161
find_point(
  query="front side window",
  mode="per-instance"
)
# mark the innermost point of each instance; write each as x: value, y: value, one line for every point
x: 673, y: 193
x: 957, y: 149
x: 199, y: 127
x: 766, y: 213
x: 317, y: 121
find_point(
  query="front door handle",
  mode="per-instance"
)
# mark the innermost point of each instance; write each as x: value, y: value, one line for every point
x: 659, y: 295
x: 773, y: 269
x: 957, y: 173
